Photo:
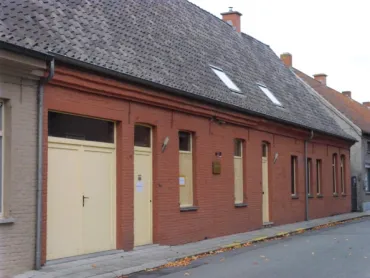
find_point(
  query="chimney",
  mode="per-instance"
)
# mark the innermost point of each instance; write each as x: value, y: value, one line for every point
x: 347, y: 94
x: 321, y: 77
x: 367, y: 104
x: 233, y: 18
x: 287, y: 59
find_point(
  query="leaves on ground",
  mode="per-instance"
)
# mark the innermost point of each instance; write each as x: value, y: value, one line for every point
x: 187, y: 260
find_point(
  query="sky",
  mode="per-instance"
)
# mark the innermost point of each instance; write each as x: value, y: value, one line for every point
x: 323, y: 36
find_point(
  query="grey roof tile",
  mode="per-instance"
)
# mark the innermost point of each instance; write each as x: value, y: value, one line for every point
x: 169, y: 42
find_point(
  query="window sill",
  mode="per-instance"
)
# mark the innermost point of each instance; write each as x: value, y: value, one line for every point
x: 183, y: 209
x: 241, y: 205
x: 335, y: 194
x: 319, y: 196
x: 9, y: 220
x: 343, y: 194
x: 310, y: 196
x: 295, y: 197
x: 367, y: 193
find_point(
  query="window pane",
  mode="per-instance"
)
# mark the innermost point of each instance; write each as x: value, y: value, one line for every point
x: 1, y: 173
x: 270, y: 95
x: 264, y: 150
x: 309, y: 175
x: 185, y: 141
x: 226, y: 80
x: 80, y: 128
x: 368, y: 180
x: 1, y: 115
x: 142, y: 136
x: 237, y: 147
x: 334, y: 173
x: 318, y: 176
x: 293, y: 174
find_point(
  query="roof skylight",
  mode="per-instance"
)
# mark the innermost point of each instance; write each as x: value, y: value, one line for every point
x: 270, y: 95
x: 224, y: 78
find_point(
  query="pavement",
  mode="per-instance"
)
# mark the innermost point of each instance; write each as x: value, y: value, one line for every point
x: 118, y: 263
x: 334, y: 252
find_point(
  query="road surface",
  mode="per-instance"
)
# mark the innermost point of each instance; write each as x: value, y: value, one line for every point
x: 336, y: 252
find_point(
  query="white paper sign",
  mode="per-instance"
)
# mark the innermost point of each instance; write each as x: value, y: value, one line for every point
x: 139, y: 186
x: 181, y: 180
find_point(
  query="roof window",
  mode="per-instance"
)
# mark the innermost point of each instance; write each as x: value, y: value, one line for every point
x: 269, y: 95
x: 224, y: 78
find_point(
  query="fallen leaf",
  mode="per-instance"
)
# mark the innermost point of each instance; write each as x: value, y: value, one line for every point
x: 365, y: 257
x: 93, y: 265
x: 222, y: 259
x: 266, y: 260
x: 255, y: 263
x: 186, y: 274
x: 262, y: 256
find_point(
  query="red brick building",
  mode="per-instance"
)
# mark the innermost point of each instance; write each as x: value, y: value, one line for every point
x: 164, y: 124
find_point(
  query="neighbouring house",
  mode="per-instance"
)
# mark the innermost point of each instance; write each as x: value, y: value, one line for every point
x: 359, y: 128
x: 20, y: 75
x: 165, y: 124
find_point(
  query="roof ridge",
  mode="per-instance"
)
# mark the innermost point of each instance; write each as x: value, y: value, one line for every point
x: 220, y: 19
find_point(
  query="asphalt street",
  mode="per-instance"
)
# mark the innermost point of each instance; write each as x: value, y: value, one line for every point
x: 340, y: 251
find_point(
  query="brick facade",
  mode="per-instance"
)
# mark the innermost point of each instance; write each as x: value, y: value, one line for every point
x: 91, y: 95
x: 17, y: 240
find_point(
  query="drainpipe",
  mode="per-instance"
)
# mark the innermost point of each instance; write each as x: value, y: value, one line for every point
x: 306, y: 174
x: 40, y: 109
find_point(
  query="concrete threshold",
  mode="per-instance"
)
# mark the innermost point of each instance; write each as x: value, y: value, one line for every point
x: 124, y: 263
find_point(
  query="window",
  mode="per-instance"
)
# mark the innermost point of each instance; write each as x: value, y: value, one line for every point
x: 318, y: 177
x: 238, y: 171
x: 368, y: 180
x: 142, y: 136
x: 293, y: 165
x: 186, y: 169
x: 368, y: 146
x: 1, y: 156
x: 270, y: 95
x: 309, y: 176
x: 81, y: 128
x: 334, y: 172
x: 225, y: 79
x: 184, y: 141
x: 342, y: 175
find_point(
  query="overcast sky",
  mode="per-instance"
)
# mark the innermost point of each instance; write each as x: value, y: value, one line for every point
x: 324, y: 36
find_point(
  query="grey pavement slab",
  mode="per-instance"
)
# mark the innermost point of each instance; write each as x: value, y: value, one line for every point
x: 123, y: 263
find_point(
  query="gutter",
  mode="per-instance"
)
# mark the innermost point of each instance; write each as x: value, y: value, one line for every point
x: 40, y: 137
x: 152, y: 84
x: 306, y: 175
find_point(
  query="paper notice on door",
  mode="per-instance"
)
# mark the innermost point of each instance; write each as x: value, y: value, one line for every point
x: 181, y: 180
x: 139, y: 186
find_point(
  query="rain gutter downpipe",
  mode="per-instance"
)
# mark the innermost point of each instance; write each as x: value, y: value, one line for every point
x: 40, y: 137
x: 306, y: 175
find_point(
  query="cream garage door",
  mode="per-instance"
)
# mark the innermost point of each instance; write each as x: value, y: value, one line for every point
x: 81, y: 208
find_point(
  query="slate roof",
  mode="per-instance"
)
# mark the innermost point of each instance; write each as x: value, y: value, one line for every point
x: 167, y: 42
x: 353, y: 110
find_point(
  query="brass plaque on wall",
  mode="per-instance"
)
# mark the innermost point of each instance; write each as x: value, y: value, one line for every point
x: 216, y: 167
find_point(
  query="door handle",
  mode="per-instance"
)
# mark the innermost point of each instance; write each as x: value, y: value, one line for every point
x: 83, y: 200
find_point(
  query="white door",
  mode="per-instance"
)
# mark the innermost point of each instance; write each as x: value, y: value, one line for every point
x: 81, y: 198
x: 143, y: 226
x: 265, y: 185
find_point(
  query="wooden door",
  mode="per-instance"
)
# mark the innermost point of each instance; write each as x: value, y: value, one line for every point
x: 143, y: 227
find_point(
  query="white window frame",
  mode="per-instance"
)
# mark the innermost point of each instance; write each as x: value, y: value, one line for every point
x: 225, y: 79
x: 2, y: 161
x: 309, y: 176
x: 270, y: 95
